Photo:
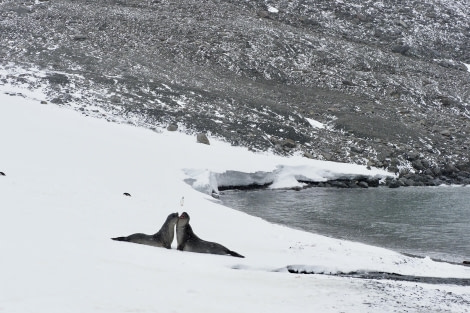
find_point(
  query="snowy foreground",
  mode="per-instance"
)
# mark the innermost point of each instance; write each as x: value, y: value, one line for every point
x: 62, y: 200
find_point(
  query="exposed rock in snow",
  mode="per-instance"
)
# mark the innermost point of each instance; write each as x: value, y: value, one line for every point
x: 384, y: 76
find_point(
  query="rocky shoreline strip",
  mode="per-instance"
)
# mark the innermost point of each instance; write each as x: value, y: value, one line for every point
x: 408, y: 180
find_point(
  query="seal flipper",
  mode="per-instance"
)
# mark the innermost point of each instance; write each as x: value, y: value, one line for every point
x: 233, y: 253
x: 180, y: 247
x: 121, y: 239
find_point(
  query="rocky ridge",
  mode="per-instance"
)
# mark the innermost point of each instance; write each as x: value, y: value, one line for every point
x: 388, y: 82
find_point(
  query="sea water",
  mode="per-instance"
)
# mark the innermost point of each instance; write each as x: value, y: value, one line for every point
x: 423, y: 221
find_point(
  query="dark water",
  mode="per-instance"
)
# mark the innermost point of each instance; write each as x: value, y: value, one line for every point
x: 424, y: 221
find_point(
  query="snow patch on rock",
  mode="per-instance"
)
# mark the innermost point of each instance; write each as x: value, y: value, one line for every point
x: 468, y: 66
x: 282, y: 176
x: 272, y: 9
x: 315, y: 124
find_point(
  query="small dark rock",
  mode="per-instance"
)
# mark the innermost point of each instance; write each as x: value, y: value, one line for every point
x: 327, y: 155
x: 406, y: 182
x: 172, y: 127
x: 362, y: 18
x: 464, y: 174
x: 449, y: 169
x: 62, y: 99
x: 438, y: 182
x: 357, y: 150
x: 307, y: 21
x: 436, y: 171
x: 411, y: 156
x: 308, y: 155
x: 115, y: 99
x: 2, y: 174
x: 425, y: 163
x: 352, y: 184
x: 378, y: 164
x: 394, y: 162
x: 215, y: 194
x: 394, y: 184
x: 373, y: 182
x: 429, y: 172
x: 463, y: 180
x: 288, y: 143
x: 402, y: 49
x: 21, y: 10
x: 453, y: 65
x: 202, y: 138
x: 448, y: 102
x: 127, y: 194
x: 57, y: 100
x: 102, y: 27
x: 445, y: 132
x: 57, y: 78
x: 263, y: 14
x: 385, y: 163
x: 338, y: 184
x: 463, y: 166
x: 430, y: 181
x: 43, y: 102
x: 417, y: 165
x: 348, y: 83
x: 402, y: 24
x: 80, y: 37
x: 363, y: 184
x: 445, y: 179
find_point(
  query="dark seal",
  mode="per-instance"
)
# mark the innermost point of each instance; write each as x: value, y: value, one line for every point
x: 163, y: 238
x: 188, y: 241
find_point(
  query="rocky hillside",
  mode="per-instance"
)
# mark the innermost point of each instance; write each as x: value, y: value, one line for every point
x: 379, y: 83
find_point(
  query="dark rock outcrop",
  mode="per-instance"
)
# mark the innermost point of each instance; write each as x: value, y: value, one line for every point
x: 389, y: 88
x: 172, y: 127
x: 202, y: 138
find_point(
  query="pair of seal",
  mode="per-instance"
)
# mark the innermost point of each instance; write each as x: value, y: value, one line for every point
x: 163, y: 238
x: 188, y: 241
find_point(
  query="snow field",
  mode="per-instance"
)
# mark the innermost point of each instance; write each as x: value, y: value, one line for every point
x: 62, y: 200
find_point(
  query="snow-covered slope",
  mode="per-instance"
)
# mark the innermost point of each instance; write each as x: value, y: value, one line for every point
x: 61, y: 200
x: 387, y: 78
